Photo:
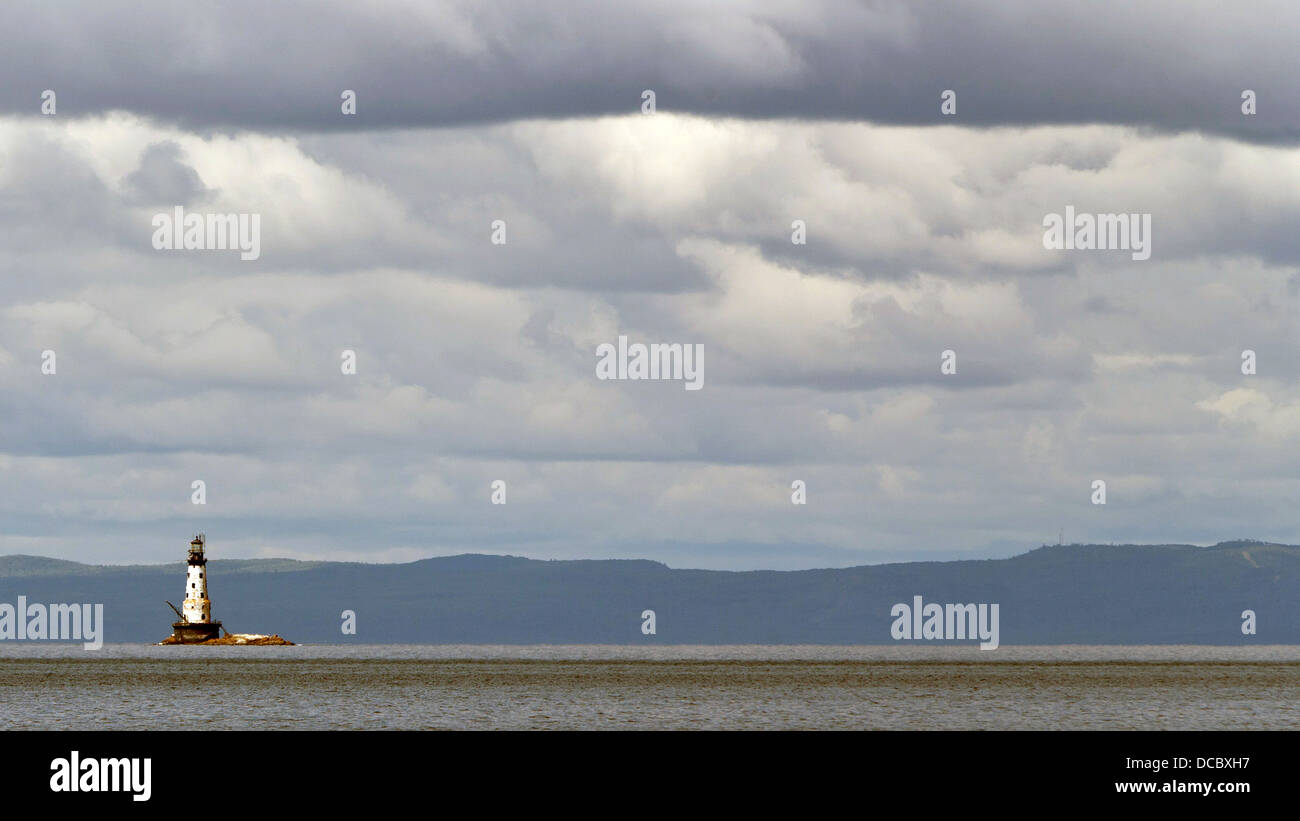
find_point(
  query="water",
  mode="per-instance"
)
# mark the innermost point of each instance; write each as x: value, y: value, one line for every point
x: 126, y: 687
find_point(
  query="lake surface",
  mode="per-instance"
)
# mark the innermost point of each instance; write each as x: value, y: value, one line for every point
x: 602, y: 687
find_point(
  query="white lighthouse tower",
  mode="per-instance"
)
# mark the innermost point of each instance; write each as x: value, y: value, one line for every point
x: 197, y: 608
x: 196, y: 622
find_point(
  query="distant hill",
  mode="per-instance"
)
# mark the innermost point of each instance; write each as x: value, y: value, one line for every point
x: 1071, y: 594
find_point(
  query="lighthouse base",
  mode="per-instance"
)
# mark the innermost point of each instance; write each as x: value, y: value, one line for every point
x: 184, y: 632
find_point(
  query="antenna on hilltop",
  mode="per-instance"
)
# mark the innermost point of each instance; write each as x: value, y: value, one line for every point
x: 1060, y: 539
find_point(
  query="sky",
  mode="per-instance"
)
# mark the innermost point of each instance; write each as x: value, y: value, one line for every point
x: 476, y: 361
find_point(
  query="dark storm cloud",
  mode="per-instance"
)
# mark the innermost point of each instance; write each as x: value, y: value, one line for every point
x: 1169, y: 65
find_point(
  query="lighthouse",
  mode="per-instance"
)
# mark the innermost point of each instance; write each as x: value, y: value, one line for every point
x: 196, y: 622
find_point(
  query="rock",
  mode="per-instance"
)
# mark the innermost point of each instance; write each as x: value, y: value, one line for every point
x: 231, y: 639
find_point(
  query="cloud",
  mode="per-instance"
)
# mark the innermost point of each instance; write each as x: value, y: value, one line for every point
x: 476, y: 360
x: 244, y: 65
x: 164, y: 179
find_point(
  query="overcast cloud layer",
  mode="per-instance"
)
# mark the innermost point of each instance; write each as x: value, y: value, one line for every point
x: 1168, y: 64
x: 476, y: 361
